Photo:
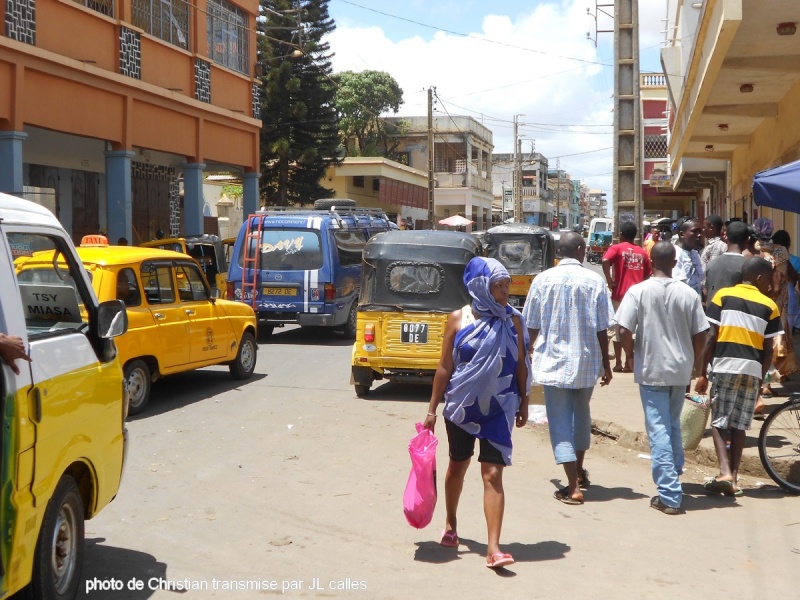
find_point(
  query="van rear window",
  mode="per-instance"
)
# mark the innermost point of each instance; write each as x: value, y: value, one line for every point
x: 287, y: 250
x: 414, y: 278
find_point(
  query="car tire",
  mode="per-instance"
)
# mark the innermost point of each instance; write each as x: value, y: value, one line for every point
x: 351, y: 325
x: 328, y: 203
x: 362, y: 390
x: 138, y: 381
x: 244, y: 364
x: 58, y: 559
x: 265, y: 332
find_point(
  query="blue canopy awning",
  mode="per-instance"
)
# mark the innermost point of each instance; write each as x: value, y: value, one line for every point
x: 779, y: 187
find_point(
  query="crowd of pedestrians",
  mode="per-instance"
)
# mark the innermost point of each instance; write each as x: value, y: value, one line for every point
x: 717, y: 311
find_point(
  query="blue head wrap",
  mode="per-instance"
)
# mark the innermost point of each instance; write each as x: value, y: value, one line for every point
x: 479, y: 274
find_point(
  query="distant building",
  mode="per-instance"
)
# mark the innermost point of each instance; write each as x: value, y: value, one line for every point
x: 537, y: 208
x: 400, y: 191
x: 462, y: 164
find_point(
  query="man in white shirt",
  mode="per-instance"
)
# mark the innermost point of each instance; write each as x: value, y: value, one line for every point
x: 663, y: 364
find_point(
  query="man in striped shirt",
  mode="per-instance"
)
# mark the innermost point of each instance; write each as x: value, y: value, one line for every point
x: 742, y: 317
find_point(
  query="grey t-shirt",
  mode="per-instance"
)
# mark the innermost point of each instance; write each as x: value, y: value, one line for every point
x: 664, y: 314
x: 723, y: 271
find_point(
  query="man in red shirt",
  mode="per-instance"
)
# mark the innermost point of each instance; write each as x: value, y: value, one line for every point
x: 624, y: 265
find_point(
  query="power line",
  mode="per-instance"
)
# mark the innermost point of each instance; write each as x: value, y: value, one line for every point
x: 466, y: 35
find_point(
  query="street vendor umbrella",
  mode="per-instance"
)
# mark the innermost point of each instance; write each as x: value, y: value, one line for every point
x: 779, y: 187
x: 456, y: 221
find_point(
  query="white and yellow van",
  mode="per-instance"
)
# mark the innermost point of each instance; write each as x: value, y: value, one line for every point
x: 63, y: 416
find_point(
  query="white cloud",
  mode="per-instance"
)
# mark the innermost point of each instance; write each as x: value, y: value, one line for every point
x: 529, y: 67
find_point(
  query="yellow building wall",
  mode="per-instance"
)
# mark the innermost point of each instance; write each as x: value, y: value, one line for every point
x: 774, y: 142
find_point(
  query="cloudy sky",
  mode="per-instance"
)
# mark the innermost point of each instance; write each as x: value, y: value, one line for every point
x: 492, y: 60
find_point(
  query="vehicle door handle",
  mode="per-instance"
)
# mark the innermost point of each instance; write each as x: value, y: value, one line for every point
x: 189, y: 312
x: 37, y: 406
x: 159, y: 315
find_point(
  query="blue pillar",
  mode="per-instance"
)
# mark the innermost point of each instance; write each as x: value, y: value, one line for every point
x: 250, y: 203
x: 119, y: 195
x: 193, y: 198
x: 11, y: 161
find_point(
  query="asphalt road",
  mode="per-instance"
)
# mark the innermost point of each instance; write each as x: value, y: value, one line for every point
x: 291, y: 484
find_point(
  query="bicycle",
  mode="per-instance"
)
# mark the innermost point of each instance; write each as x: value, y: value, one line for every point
x: 779, y: 444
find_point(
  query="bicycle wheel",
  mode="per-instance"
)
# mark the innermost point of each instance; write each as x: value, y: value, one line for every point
x: 779, y: 445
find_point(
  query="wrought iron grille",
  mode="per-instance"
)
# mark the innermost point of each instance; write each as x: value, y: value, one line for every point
x: 228, y: 39
x: 104, y: 7
x: 655, y: 146
x: 164, y: 19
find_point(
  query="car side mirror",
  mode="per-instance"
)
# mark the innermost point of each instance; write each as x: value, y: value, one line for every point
x: 215, y: 293
x: 112, y: 319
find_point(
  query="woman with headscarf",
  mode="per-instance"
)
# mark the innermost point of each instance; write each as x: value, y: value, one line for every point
x: 483, y: 379
x: 784, y: 276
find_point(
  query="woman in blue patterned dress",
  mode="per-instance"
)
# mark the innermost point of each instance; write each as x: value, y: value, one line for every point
x: 483, y: 379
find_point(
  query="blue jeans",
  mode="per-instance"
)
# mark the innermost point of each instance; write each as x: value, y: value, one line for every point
x: 662, y: 420
x: 569, y: 421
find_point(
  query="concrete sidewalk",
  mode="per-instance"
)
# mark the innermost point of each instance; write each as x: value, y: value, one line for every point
x: 617, y: 413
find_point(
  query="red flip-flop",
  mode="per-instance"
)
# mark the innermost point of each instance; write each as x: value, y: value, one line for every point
x: 499, y: 559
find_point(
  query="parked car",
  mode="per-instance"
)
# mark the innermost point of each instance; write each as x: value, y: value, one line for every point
x: 303, y: 266
x: 175, y: 322
x: 64, y: 440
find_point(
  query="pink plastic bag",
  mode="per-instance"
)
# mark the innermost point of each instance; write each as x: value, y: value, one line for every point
x: 419, y: 499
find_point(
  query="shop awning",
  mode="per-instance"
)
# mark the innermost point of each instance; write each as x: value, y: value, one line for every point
x: 779, y: 187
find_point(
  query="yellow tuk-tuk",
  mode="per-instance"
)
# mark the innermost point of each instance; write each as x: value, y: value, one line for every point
x: 207, y: 249
x: 525, y: 250
x: 411, y: 281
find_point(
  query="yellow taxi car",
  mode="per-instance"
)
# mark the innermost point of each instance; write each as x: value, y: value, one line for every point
x: 176, y: 322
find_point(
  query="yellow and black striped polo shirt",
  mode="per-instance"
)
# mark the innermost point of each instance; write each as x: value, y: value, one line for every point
x: 745, y: 318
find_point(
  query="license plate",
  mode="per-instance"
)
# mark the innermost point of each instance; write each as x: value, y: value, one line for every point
x: 279, y: 291
x: 414, y: 333
x: 515, y: 301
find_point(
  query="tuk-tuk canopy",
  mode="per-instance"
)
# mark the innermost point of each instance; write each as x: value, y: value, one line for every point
x: 523, y: 249
x: 420, y: 270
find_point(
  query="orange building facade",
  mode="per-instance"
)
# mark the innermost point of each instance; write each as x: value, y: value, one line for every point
x: 111, y: 111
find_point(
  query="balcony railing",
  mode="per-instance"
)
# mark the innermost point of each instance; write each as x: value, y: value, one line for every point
x: 652, y: 80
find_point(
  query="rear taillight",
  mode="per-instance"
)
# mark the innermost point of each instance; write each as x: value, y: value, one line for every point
x: 230, y: 291
x: 330, y: 292
x: 369, y: 332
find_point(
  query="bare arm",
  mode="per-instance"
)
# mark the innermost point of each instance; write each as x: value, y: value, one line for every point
x: 602, y: 337
x: 607, y: 273
x: 767, y: 360
x: 445, y: 368
x: 699, y: 344
x: 701, y: 385
x: 522, y: 375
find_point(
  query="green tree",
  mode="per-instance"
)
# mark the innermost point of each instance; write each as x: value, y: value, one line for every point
x: 299, y: 135
x: 361, y: 98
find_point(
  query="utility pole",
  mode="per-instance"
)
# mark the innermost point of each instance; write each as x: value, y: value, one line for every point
x: 431, y: 180
x: 516, y: 190
x: 558, y: 194
x: 627, y: 151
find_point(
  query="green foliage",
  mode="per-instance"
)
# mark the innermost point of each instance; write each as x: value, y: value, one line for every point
x: 233, y: 191
x: 360, y: 99
x: 299, y: 135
